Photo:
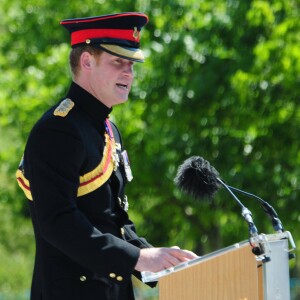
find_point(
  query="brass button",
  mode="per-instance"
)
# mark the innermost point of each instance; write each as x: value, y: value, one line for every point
x: 112, y: 275
x: 120, y: 278
x: 82, y: 278
x: 122, y: 231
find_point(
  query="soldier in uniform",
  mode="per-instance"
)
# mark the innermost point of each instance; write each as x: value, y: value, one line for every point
x: 74, y: 171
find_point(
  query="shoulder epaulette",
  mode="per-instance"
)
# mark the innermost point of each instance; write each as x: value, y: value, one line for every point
x: 64, y: 108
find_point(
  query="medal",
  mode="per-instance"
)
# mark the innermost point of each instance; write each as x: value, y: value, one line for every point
x: 124, y: 203
x: 127, y: 168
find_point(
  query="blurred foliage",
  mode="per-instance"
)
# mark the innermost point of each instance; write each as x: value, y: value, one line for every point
x: 221, y: 80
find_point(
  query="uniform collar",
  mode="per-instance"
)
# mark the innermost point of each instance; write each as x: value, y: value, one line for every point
x: 88, y: 103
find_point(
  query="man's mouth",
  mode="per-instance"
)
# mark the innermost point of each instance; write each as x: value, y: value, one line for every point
x: 122, y: 86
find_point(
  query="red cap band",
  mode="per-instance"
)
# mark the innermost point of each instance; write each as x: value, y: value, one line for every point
x: 81, y: 36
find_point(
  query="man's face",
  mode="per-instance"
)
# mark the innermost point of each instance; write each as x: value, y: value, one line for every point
x: 110, y: 79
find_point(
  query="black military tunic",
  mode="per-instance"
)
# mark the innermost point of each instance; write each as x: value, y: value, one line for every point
x: 86, y: 246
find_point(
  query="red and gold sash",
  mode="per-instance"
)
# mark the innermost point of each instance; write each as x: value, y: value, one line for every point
x: 92, y: 180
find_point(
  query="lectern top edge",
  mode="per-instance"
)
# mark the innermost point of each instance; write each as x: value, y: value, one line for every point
x: 262, y: 240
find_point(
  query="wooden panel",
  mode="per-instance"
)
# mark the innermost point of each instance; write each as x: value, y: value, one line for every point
x: 230, y: 276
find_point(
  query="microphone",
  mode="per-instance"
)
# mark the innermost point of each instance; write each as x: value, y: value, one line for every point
x: 199, y: 179
x: 196, y: 177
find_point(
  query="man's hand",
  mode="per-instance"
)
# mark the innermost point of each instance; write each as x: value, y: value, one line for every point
x: 158, y: 259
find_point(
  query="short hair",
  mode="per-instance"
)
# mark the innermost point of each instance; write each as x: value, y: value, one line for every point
x: 75, y: 55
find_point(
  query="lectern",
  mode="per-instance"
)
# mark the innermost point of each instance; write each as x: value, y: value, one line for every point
x: 232, y: 273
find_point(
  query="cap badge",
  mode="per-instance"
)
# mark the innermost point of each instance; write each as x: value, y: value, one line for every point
x: 136, y: 33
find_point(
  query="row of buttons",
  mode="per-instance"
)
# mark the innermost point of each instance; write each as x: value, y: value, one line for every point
x: 111, y: 275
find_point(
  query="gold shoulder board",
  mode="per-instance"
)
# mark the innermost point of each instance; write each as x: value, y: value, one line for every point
x: 64, y: 108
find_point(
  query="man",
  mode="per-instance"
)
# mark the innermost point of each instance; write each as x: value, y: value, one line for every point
x: 74, y: 171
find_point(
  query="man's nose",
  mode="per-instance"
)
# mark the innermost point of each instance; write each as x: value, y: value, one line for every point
x: 128, y: 70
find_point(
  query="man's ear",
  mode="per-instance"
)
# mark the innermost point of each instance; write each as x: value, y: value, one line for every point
x: 86, y: 60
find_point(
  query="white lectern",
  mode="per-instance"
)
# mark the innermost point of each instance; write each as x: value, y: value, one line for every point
x: 232, y: 273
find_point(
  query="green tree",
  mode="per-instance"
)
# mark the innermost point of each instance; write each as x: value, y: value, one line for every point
x: 221, y: 80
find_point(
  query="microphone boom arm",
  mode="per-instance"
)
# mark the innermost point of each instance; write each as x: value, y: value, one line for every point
x: 269, y: 210
x: 246, y: 213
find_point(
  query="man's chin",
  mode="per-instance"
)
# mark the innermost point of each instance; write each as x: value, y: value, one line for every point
x: 121, y: 101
